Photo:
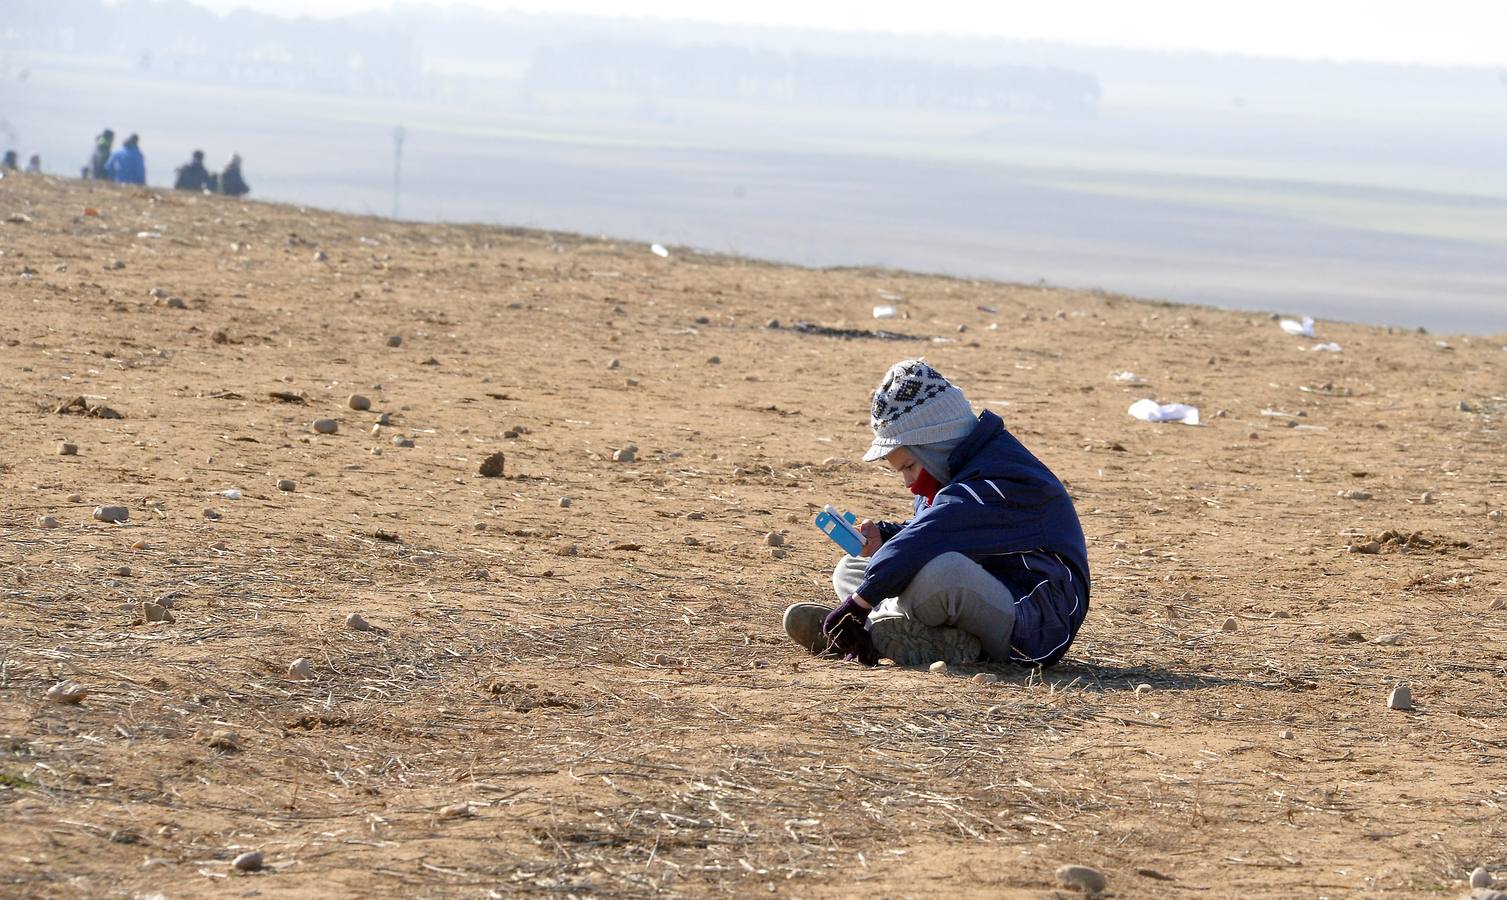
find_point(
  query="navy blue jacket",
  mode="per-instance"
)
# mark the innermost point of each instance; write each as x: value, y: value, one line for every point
x: 1010, y: 514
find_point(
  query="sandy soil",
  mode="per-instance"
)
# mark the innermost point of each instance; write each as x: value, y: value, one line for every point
x: 598, y: 700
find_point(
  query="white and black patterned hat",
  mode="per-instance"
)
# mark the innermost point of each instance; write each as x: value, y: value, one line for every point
x: 915, y: 405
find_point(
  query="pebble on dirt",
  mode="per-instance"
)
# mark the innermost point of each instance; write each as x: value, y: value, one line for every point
x: 155, y: 612
x: 67, y: 449
x: 492, y: 466
x: 111, y: 513
x: 985, y: 678
x: 1354, y: 495
x: 250, y: 861
x: 326, y: 426
x: 286, y: 485
x: 565, y: 503
x: 394, y: 340
x: 774, y: 539
x: 626, y: 454
x: 939, y: 667
x: 1231, y: 624
x: 1481, y: 878
x: 456, y: 811
x: 227, y: 741
x: 400, y: 441
x: 1082, y: 878
x: 1400, y: 698
x: 359, y: 402
x: 300, y: 670
x: 355, y: 622
x: 67, y: 692
x: 211, y: 513
x: 47, y: 522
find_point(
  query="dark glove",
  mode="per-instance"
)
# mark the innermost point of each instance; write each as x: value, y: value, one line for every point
x: 844, y: 627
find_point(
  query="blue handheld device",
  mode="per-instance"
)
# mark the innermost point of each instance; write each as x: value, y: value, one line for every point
x: 840, y: 527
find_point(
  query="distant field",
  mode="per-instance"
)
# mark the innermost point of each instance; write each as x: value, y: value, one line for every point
x: 1157, y: 206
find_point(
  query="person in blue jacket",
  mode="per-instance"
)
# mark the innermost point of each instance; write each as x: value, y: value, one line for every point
x: 127, y: 165
x: 992, y: 566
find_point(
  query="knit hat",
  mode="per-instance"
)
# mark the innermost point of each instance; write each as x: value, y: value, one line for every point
x: 915, y: 405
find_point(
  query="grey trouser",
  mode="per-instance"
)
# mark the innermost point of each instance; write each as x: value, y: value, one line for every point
x: 951, y: 591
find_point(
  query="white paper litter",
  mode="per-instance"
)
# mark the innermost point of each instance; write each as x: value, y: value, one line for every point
x: 1300, y: 329
x: 1330, y: 347
x: 1152, y: 411
x: 231, y: 494
x: 659, y: 250
x: 884, y: 312
x: 1129, y: 378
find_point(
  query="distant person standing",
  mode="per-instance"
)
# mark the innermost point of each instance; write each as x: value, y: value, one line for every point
x: 103, y: 144
x: 34, y: 165
x: 11, y: 162
x: 192, y: 176
x: 127, y: 165
x: 231, y: 182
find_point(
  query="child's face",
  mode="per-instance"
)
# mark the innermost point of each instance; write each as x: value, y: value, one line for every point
x: 904, y: 462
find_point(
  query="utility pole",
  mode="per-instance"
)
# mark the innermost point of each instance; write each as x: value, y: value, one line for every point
x: 397, y: 166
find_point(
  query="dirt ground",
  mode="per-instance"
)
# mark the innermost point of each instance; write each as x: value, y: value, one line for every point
x: 597, y: 699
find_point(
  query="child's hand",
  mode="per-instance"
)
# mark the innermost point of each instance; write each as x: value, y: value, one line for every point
x: 871, y: 537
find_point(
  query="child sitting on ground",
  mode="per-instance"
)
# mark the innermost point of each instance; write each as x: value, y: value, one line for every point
x: 993, y: 563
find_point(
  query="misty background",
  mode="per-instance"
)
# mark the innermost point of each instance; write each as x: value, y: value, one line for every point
x: 1361, y: 191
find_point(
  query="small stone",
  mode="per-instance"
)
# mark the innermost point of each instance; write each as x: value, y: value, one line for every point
x: 1426, y: 498
x: 1498, y: 603
x: 1481, y: 878
x: 211, y: 514
x: 155, y: 612
x: 326, y: 426
x: 138, y: 545
x: 299, y: 670
x: 67, y: 693
x: 774, y: 539
x: 772, y: 324
x: 565, y: 503
x: 1400, y: 698
x: 1465, y: 406
x: 157, y: 293
x: 355, y: 622
x: 218, y: 546
x: 227, y: 741
x: 67, y: 449
x: 614, y: 363
x: 359, y: 402
x: 1230, y: 624
x: 985, y: 678
x: 630, y: 382
x: 1354, y: 495
x: 456, y: 811
x: 321, y: 256
x: 1142, y: 688
x: 626, y: 454
x: 1285, y: 734
x: 479, y: 526
x: 122, y: 572
x: 568, y: 550
x: 714, y: 361
x: 1372, y: 547
x: 111, y: 513
x: 286, y: 485
x: 47, y: 522
x: 776, y: 553
x: 1495, y: 515
x: 394, y: 340
x: 492, y: 466
x: 1082, y: 878
x: 962, y: 329
x: 400, y: 441
x: 250, y: 861
x: 75, y: 498
x: 176, y: 303
x: 939, y: 667
x: 384, y: 419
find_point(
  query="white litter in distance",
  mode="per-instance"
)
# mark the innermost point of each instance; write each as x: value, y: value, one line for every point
x: 1330, y: 347
x: 1300, y: 329
x: 1152, y: 411
x: 659, y: 250
x: 231, y: 494
x: 884, y: 312
x: 1129, y: 378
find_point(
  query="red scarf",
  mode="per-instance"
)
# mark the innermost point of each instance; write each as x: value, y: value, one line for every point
x: 925, y: 486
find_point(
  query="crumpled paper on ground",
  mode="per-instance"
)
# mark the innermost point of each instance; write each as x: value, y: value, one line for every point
x: 1300, y: 329
x: 1152, y: 411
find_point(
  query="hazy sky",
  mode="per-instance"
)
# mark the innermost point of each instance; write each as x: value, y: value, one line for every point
x: 1450, y: 32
